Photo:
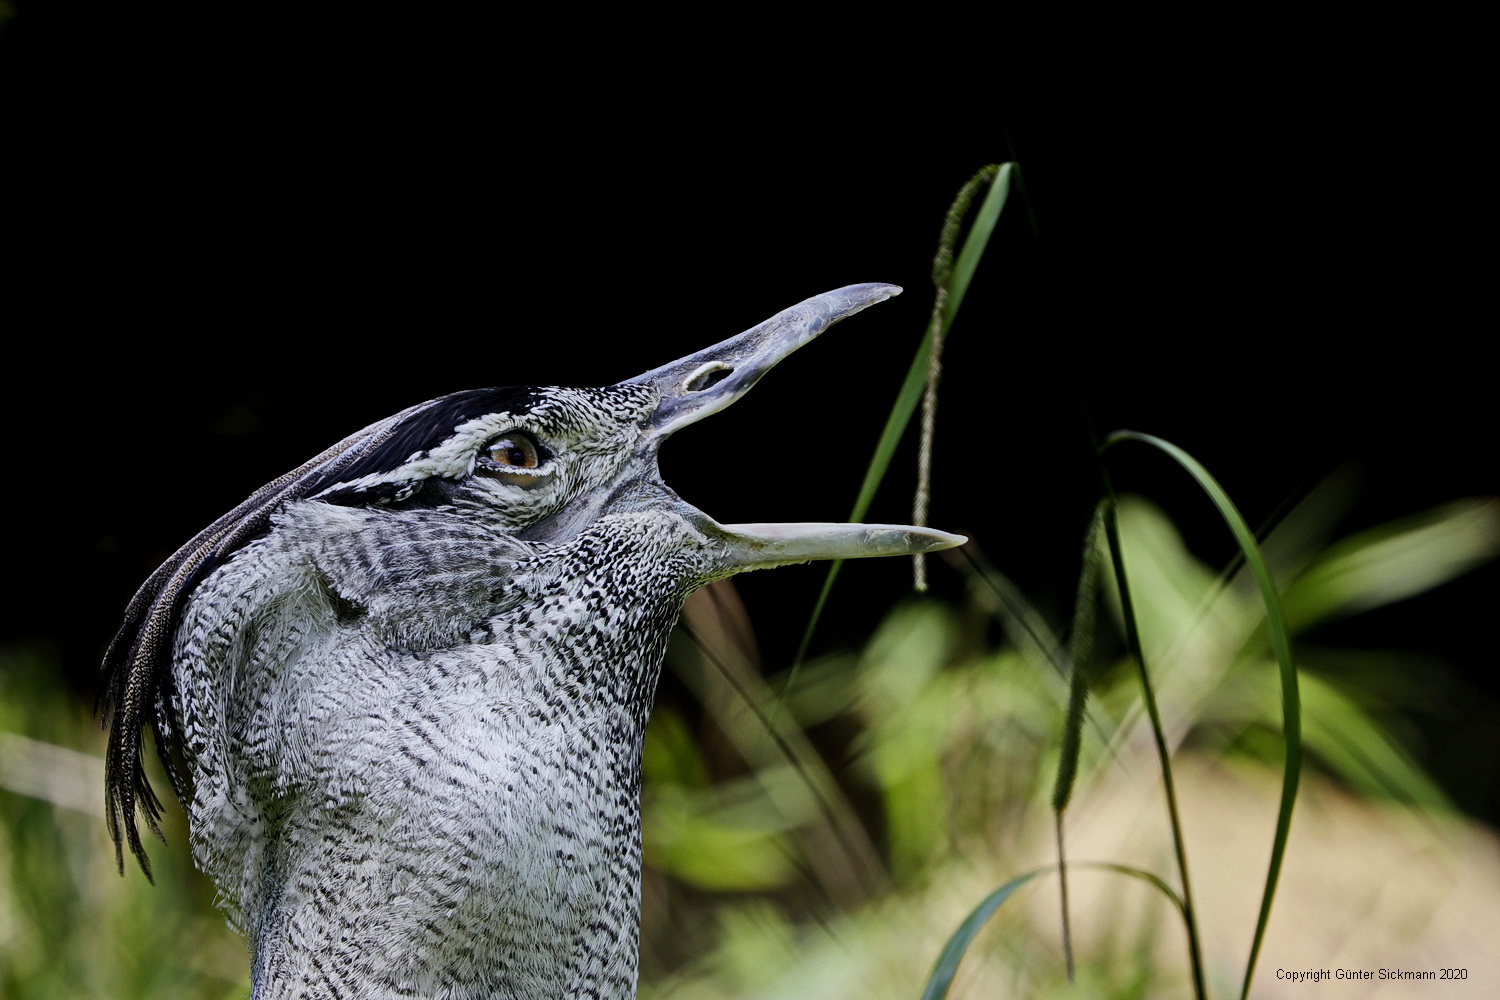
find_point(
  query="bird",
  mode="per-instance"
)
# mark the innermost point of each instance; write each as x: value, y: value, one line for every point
x: 401, y: 690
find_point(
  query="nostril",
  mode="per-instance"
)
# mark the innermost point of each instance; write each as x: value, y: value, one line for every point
x: 708, y: 376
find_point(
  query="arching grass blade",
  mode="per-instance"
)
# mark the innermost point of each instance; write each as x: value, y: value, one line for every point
x: 1291, y: 707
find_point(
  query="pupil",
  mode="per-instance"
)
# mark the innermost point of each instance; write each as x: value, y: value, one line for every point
x: 515, y: 456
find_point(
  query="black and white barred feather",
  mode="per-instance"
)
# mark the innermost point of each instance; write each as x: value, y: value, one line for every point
x: 137, y: 690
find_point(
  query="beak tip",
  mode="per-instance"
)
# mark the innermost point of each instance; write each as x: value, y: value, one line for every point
x: 859, y: 297
x: 932, y: 540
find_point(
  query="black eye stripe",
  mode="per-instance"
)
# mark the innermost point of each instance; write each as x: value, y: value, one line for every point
x: 417, y: 432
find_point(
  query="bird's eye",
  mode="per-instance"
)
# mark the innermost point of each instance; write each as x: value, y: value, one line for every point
x: 514, y: 452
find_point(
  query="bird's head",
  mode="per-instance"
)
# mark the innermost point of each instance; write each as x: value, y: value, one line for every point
x: 543, y: 466
x: 545, y: 463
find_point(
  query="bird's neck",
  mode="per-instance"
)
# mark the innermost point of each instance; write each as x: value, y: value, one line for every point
x: 442, y: 793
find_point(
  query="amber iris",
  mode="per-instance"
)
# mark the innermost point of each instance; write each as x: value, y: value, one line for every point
x: 514, y: 450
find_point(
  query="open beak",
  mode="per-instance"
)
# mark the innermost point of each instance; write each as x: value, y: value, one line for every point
x: 711, y: 379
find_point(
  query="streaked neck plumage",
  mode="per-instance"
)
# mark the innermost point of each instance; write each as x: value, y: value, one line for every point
x: 451, y: 808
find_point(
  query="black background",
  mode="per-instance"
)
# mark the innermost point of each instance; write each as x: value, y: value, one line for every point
x: 236, y: 235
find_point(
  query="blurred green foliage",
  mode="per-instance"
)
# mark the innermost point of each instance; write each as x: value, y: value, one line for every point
x: 944, y: 748
x: 70, y: 925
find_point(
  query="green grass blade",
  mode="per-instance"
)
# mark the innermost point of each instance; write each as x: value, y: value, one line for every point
x: 961, y: 274
x: 1148, y: 695
x: 953, y: 952
x: 1137, y: 873
x: 910, y: 394
x: 1291, y: 706
x: 946, y: 967
x: 1023, y: 623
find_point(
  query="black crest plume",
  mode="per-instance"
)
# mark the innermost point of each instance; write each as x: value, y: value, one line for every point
x: 137, y: 687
